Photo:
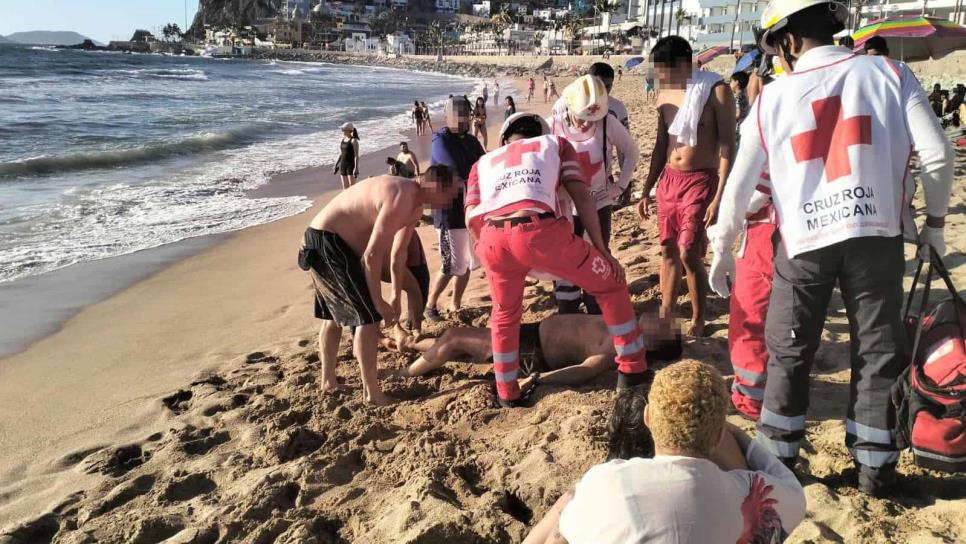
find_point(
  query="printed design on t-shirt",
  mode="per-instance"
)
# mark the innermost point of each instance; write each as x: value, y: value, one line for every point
x: 832, y: 137
x: 762, y: 524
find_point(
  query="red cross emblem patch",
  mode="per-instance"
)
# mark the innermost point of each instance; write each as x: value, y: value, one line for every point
x: 513, y: 155
x: 832, y: 137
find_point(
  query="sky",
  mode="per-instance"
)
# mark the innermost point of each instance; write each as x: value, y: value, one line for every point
x: 101, y: 20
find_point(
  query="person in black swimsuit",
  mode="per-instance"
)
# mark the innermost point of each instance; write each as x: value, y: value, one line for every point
x: 550, y: 352
x: 348, y: 164
x: 418, y: 118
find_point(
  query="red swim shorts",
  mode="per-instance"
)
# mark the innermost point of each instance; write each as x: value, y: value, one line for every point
x: 682, y: 200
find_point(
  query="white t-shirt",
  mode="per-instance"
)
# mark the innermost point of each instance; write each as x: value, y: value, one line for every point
x: 672, y: 499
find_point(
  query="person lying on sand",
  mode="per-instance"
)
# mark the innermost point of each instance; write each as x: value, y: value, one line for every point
x: 550, y: 352
x: 345, y: 247
x: 708, y: 482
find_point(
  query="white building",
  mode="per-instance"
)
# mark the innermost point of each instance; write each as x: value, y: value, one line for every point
x: 664, y: 18
x: 729, y: 22
x: 482, y: 9
x: 359, y: 42
x: 400, y: 44
x: 543, y: 14
x: 447, y: 6
x: 554, y: 42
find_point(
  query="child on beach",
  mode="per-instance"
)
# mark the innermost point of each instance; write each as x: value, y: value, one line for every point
x: 348, y: 164
x: 345, y: 248
x: 707, y: 483
x: 694, y: 147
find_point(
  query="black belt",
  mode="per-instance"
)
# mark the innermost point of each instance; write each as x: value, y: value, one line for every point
x: 514, y: 221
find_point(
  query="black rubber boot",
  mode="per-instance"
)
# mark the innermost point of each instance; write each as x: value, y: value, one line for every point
x: 877, y: 481
x: 628, y: 436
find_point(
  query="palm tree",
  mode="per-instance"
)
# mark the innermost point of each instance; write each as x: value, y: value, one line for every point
x: 680, y: 15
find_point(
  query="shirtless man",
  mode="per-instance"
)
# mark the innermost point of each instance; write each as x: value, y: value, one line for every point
x: 408, y: 158
x: 550, y: 352
x: 690, y: 155
x: 345, y: 247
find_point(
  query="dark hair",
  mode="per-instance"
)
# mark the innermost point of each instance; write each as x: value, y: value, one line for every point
x: 441, y: 174
x: 390, y: 161
x: 671, y: 50
x: 512, y: 103
x: 817, y: 23
x: 602, y: 70
x: 404, y: 144
x: 527, y: 126
x: 878, y: 43
x: 847, y: 41
x: 416, y: 103
x: 355, y: 134
x: 741, y: 78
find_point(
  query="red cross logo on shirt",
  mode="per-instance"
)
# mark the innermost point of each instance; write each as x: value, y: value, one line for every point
x: 589, y: 168
x: 832, y: 137
x: 513, y: 156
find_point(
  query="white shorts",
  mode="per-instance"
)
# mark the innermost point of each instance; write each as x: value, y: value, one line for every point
x: 456, y: 252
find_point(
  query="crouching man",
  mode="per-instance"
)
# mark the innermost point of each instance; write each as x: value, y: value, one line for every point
x: 345, y: 248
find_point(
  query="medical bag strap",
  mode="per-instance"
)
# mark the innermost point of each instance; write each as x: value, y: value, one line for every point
x: 922, y: 309
x: 912, y: 290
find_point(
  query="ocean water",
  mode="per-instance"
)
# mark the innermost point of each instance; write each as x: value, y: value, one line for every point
x: 104, y: 154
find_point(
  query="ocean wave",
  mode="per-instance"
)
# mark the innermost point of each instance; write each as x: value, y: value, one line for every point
x: 122, y: 157
x: 188, y: 74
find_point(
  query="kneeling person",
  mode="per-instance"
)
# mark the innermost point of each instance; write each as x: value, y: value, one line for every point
x: 708, y: 482
x: 345, y: 247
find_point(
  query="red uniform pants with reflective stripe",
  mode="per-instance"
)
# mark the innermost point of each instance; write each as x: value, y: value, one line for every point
x: 509, y: 252
x: 746, y: 325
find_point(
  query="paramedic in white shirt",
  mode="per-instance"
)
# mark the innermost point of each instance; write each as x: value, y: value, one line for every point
x: 587, y: 125
x: 837, y: 133
x: 707, y: 484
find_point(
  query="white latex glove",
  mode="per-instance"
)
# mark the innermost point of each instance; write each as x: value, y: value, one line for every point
x: 722, y: 266
x: 933, y: 237
x: 758, y: 201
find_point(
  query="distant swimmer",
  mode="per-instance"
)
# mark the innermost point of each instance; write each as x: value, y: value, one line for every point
x: 531, y: 86
x: 348, y: 164
x: 427, y: 119
x: 345, y: 249
x: 479, y: 121
x: 417, y: 116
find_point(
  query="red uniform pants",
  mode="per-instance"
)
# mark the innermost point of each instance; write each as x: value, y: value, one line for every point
x: 509, y: 252
x: 746, y: 325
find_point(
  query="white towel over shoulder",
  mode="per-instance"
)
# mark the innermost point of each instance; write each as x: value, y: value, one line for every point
x: 685, y: 125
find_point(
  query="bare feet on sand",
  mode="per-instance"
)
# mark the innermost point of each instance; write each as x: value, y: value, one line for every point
x: 333, y: 386
x: 378, y: 398
x: 696, y: 329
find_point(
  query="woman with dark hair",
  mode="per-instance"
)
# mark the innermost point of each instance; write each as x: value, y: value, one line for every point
x: 511, y: 108
x: 479, y: 121
x: 417, y: 115
x: 348, y: 164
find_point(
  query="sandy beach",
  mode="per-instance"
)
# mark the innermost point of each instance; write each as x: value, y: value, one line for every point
x: 187, y: 409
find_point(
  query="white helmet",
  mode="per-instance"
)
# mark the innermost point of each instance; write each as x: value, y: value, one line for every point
x: 513, y: 118
x: 776, y: 14
x: 587, y: 98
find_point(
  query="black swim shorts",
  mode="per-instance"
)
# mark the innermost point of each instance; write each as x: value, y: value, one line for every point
x: 341, y: 291
x: 531, y: 351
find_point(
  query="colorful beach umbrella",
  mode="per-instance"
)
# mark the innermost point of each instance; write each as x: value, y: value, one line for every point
x: 632, y: 62
x: 704, y: 57
x: 915, y: 38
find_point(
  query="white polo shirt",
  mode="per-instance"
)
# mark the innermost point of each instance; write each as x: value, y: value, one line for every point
x: 679, y: 500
